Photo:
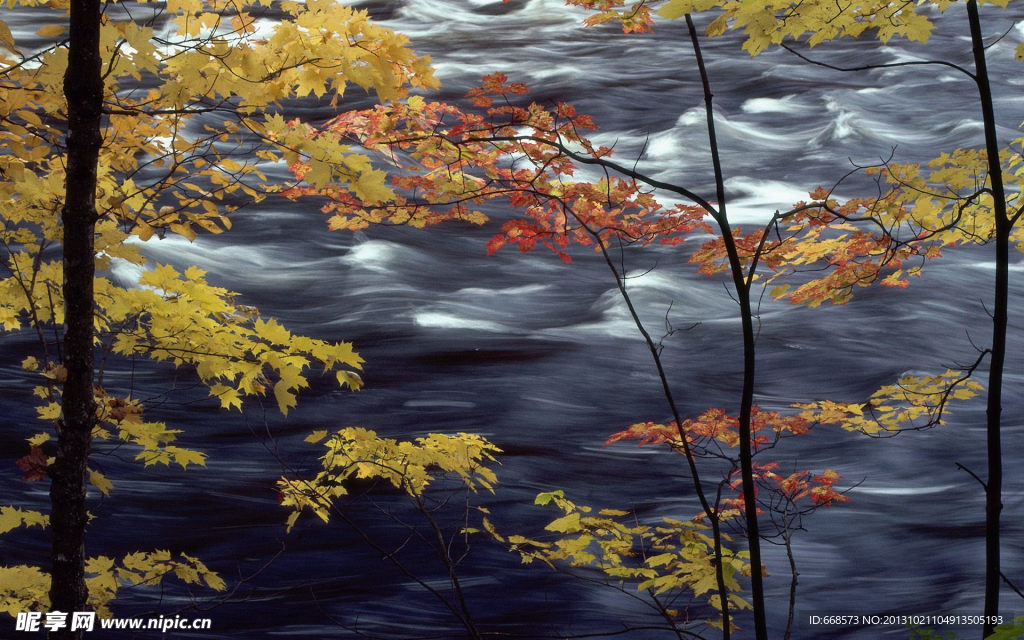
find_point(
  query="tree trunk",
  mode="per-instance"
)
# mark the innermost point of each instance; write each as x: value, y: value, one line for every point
x: 83, y: 89
x: 742, y: 289
x: 994, y: 482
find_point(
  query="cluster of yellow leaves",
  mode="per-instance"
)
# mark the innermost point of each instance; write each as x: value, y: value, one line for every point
x: 193, y: 90
x: 771, y: 22
x: 119, y: 418
x: 314, y: 48
x: 154, y: 177
x: 660, y: 559
x: 13, y: 517
x: 122, y: 418
x: 323, y: 158
x: 160, y: 172
x: 408, y: 465
x: 179, y: 317
x: 949, y: 202
x: 885, y: 239
x: 105, y: 576
x: 913, y: 402
x: 25, y: 588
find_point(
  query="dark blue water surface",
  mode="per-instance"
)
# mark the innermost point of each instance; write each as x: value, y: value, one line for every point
x: 542, y: 357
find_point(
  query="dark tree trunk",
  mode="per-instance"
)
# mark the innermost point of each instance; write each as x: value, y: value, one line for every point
x: 742, y: 288
x: 994, y: 482
x: 83, y: 88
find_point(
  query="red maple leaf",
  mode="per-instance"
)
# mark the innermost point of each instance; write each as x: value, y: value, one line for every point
x: 33, y: 466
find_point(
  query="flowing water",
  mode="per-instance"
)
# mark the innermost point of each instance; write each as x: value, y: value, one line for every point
x: 542, y: 358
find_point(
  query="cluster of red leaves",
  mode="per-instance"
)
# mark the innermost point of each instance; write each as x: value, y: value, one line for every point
x: 715, y: 424
x: 449, y: 161
x: 635, y: 18
x: 495, y: 84
x: 766, y: 428
x: 791, y: 488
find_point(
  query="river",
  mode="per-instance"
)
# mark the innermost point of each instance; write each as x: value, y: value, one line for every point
x: 542, y: 358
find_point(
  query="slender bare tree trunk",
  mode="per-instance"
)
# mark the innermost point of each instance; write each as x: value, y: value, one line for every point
x: 1003, y: 226
x: 742, y: 289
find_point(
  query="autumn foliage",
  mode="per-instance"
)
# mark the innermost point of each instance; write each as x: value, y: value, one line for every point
x: 447, y: 162
x: 192, y: 119
x: 191, y: 95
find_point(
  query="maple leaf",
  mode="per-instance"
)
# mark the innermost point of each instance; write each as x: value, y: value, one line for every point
x: 100, y: 481
x: 34, y: 465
